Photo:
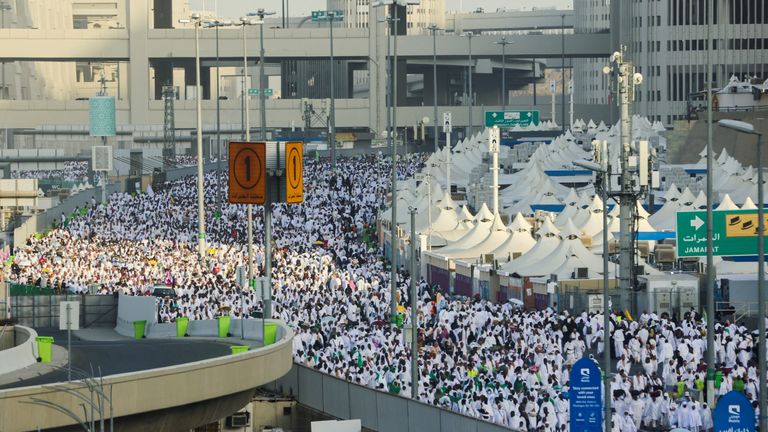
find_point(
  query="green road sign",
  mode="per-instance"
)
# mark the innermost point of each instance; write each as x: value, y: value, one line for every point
x: 256, y: 92
x: 511, y: 118
x: 321, y: 15
x: 318, y: 15
x: 734, y: 232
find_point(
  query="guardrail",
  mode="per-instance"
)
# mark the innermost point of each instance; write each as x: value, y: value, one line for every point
x: 378, y: 411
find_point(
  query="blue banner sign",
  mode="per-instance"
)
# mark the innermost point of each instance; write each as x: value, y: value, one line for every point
x: 734, y: 413
x: 586, y: 397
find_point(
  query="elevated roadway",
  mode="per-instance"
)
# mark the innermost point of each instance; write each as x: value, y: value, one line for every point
x: 158, y: 385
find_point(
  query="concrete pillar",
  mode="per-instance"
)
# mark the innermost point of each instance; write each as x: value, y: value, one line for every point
x: 138, y: 28
x: 377, y: 66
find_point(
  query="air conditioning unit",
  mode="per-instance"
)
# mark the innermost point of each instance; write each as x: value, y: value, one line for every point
x: 239, y: 420
x: 582, y: 273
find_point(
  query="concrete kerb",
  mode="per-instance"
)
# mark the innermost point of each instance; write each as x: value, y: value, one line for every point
x: 22, y: 355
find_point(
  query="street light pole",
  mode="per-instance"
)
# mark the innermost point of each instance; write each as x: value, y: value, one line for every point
x: 469, y: 35
x: 562, y: 67
x: 267, y: 300
x: 4, y: 7
x: 249, y: 208
x: 503, y: 42
x: 433, y: 28
x: 332, y: 123
x: 710, y: 354
x: 195, y: 19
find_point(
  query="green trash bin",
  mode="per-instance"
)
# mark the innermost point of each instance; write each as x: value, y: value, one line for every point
x: 138, y: 329
x: 237, y: 349
x: 44, y: 348
x: 223, y: 322
x: 181, y: 326
x: 270, y: 333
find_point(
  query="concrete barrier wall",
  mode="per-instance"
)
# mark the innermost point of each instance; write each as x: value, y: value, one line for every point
x: 42, y: 221
x: 155, y: 389
x: 375, y: 409
x: 43, y: 310
x: 23, y: 354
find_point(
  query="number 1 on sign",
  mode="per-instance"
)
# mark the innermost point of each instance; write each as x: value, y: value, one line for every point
x: 247, y: 168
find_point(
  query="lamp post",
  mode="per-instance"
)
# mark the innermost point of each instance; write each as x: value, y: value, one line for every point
x: 748, y: 128
x: 503, y: 42
x: 710, y: 354
x: 4, y: 7
x: 562, y: 66
x: 266, y: 313
x: 433, y: 29
x: 332, y: 16
x: 392, y: 137
x: 217, y: 23
x: 244, y: 22
x: 469, y: 35
x: 195, y: 20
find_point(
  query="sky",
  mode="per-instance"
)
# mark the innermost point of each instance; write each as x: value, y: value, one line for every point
x: 234, y: 8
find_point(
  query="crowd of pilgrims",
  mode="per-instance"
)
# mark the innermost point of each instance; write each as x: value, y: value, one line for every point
x: 331, y: 285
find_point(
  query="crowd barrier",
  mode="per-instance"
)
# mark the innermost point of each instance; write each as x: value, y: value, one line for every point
x: 379, y: 411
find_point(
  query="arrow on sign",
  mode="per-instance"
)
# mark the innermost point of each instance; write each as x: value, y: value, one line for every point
x: 696, y: 223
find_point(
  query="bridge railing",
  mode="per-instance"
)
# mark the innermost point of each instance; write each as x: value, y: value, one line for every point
x: 379, y: 411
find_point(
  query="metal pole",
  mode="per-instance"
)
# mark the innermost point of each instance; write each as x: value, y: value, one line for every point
x: 393, y: 136
x: 606, y: 300
x: 332, y: 126
x: 267, y: 313
x: 562, y: 67
x: 434, y: 29
x: 218, y: 121
x: 414, y: 314
x: 471, y: 95
x: 710, y: 353
x: 448, y: 162
x: 200, y: 190
x: 761, y: 284
x: 503, y: 74
x: 69, y: 342
x: 249, y: 208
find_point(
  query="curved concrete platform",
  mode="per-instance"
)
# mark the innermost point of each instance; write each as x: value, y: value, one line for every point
x: 172, y: 398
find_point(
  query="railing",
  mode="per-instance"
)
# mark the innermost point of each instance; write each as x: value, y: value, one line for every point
x: 346, y: 400
x: 739, y: 309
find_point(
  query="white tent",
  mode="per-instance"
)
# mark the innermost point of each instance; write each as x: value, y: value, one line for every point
x: 548, y: 240
x: 519, y: 242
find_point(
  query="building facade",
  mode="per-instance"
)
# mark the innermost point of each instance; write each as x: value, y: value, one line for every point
x: 668, y: 45
x: 421, y: 16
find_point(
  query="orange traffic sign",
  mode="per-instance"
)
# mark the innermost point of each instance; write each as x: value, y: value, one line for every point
x: 294, y: 172
x: 247, y: 172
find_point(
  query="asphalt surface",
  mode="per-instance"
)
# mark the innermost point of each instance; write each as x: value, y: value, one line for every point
x: 116, y: 357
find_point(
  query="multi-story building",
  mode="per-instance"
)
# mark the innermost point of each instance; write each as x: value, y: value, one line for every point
x: 668, y: 45
x: 419, y: 17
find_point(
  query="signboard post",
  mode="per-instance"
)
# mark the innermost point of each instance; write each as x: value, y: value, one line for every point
x: 586, y: 399
x: 69, y: 319
x: 247, y: 173
x: 734, y: 232
x: 734, y: 413
x: 508, y: 119
x: 294, y: 173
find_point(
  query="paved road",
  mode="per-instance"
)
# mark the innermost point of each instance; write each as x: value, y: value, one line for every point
x: 126, y: 355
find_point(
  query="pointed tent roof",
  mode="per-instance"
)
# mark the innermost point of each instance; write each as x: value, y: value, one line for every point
x: 547, y: 229
x: 483, y: 214
x: 464, y: 214
x: 700, y: 201
x: 519, y: 223
x: 727, y: 204
x: 749, y: 204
